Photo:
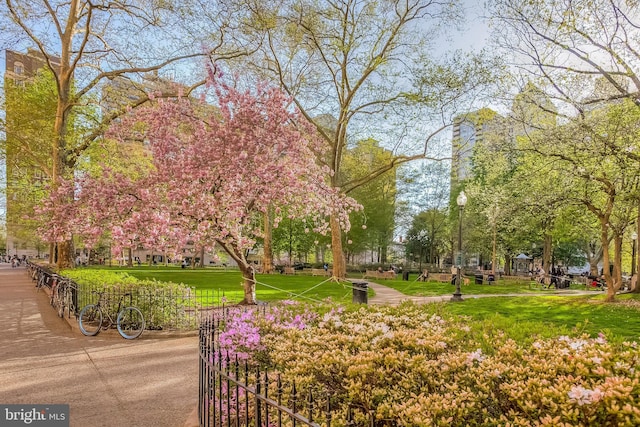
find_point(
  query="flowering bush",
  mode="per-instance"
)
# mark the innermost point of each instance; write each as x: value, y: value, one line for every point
x: 409, y: 366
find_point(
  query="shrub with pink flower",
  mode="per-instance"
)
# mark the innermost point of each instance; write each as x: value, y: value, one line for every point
x: 411, y: 366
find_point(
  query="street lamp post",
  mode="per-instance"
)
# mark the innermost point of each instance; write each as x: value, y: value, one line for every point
x: 634, y: 237
x: 461, y: 201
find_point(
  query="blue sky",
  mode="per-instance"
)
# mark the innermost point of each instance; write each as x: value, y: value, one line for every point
x: 472, y: 37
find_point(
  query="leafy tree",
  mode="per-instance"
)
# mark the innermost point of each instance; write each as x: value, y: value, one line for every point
x: 600, y: 176
x: 30, y: 111
x: 584, y: 55
x: 92, y: 43
x: 584, y: 52
x: 368, y: 63
x: 374, y: 227
x: 215, y: 173
x: 294, y: 237
x: 428, y: 237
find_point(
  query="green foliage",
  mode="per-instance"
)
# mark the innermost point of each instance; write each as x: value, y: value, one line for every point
x: 293, y: 237
x: 30, y: 113
x: 428, y: 237
x: 165, y: 305
x: 419, y: 366
x: 372, y: 229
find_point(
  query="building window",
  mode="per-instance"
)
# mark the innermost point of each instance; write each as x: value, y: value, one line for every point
x: 18, y: 68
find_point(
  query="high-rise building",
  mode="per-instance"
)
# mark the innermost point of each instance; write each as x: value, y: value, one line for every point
x: 470, y: 130
x: 25, y: 151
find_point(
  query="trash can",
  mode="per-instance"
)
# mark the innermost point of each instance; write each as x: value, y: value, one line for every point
x: 405, y: 275
x: 491, y: 278
x: 360, y: 295
x: 479, y: 279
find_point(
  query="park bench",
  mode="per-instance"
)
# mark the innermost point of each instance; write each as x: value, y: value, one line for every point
x: 374, y: 274
x: 370, y: 274
x: 319, y: 272
x: 444, y: 278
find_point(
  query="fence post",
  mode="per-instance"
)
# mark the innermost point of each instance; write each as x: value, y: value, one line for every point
x: 257, y: 400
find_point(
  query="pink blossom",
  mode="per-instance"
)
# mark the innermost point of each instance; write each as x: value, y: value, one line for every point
x: 475, y: 356
x: 214, y: 169
x: 584, y: 396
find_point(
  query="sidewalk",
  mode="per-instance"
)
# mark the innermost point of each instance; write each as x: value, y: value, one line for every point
x: 106, y: 380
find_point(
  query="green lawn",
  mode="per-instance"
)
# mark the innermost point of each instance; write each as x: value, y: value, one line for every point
x: 269, y: 287
x: 555, y: 315
x: 434, y: 288
x: 525, y: 315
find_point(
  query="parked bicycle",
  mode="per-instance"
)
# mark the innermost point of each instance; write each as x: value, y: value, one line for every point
x: 62, y: 295
x: 42, y: 279
x: 94, y: 317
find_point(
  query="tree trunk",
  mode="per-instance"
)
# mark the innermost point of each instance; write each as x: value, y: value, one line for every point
x: 267, y: 255
x: 493, y: 252
x: 604, y: 237
x: 546, y: 253
x: 339, y: 264
x: 617, y: 263
x: 636, y: 289
x: 507, y: 265
x: 129, y: 257
x: 248, y: 283
x: 201, y: 257
x: 65, y: 255
x: 52, y: 253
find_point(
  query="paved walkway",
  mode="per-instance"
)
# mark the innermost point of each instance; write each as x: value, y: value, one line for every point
x: 106, y: 380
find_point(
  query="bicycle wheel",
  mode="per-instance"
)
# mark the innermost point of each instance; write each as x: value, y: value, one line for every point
x: 90, y: 320
x: 130, y: 323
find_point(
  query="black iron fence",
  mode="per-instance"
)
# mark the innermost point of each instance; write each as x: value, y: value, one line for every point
x: 232, y: 393
x: 63, y: 292
x: 163, y: 309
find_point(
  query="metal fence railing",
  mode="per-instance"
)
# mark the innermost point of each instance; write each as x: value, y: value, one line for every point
x: 231, y: 393
x: 163, y: 309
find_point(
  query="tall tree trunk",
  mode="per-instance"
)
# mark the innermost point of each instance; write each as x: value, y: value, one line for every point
x: 339, y: 264
x: 64, y: 77
x: 604, y: 237
x: 52, y: 253
x: 129, y: 257
x: 636, y: 289
x: 65, y: 254
x: 493, y: 252
x: 201, y: 264
x: 617, y: 263
x: 267, y: 255
x: 546, y: 253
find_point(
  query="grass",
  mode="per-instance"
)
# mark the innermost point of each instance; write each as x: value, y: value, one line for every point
x: 525, y: 315
x: 434, y: 288
x: 269, y: 287
x: 557, y: 315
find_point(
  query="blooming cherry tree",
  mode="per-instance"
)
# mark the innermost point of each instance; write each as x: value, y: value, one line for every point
x: 215, y: 171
